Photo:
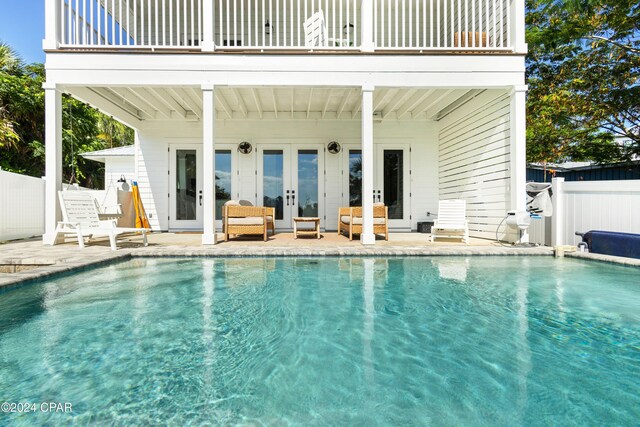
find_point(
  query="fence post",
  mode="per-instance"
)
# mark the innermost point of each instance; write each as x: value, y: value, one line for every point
x: 557, y: 220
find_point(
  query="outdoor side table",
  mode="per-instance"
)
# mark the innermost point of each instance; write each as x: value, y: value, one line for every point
x: 315, y: 230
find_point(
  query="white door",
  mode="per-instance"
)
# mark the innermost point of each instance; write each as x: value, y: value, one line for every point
x: 185, y: 187
x: 392, y: 182
x: 290, y: 180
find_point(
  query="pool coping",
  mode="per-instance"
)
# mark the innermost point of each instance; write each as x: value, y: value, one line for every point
x: 73, y: 264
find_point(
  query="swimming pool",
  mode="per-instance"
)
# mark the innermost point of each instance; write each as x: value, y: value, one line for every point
x: 393, y: 341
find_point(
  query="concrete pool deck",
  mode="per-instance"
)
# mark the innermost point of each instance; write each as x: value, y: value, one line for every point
x: 27, y: 260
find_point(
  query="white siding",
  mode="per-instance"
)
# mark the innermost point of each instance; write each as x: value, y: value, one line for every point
x: 152, y: 161
x: 474, y: 161
x: 115, y: 167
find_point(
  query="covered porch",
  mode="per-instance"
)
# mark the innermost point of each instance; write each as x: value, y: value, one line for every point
x: 309, y: 150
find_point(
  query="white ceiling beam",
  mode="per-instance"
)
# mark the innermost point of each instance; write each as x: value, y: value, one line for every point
x: 275, y: 103
x: 326, y: 103
x: 411, y: 103
x: 381, y: 97
x: 169, y: 101
x: 309, y: 102
x: 397, y: 100
x: 106, y: 105
x: 256, y: 99
x: 184, y: 97
x: 241, y: 103
x: 432, y: 111
x: 463, y: 99
x: 134, y: 100
x: 356, y: 107
x: 343, y: 103
x: 431, y: 100
x: 225, y: 104
x: 151, y: 99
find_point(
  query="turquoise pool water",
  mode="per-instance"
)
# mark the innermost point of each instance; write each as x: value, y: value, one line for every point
x: 398, y: 341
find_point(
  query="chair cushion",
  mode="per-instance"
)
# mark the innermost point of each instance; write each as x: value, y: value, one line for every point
x: 232, y: 203
x: 245, y: 203
x: 358, y: 221
x: 269, y: 218
x: 250, y: 220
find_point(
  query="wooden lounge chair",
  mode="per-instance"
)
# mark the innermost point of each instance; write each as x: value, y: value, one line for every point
x: 81, y: 219
x: 451, y: 222
x: 350, y: 221
x: 244, y: 220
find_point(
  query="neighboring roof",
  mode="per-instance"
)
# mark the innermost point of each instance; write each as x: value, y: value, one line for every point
x: 102, y: 155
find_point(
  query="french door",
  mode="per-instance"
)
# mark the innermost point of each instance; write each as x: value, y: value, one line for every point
x: 391, y: 180
x: 290, y: 179
x: 185, y: 187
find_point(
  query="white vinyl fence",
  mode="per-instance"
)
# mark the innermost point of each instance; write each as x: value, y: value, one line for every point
x: 21, y: 206
x: 581, y: 206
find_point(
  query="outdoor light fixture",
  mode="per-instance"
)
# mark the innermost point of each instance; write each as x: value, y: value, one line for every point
x: 245, y: 147
x: 334, y: 147
x: 347, y: 30
x: 267, y: 27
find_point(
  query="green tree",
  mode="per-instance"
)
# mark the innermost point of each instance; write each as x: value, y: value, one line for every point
x: 22, y: 125
x: 582, y: 70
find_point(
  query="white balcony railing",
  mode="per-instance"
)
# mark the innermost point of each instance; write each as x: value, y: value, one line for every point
x: 286, y: 24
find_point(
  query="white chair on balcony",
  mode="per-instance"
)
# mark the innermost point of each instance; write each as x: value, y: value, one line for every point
x: 452, y: 221
x: 315, y: 30
x: 81, y: 219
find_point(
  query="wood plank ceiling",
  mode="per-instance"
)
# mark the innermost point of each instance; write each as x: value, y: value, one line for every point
x: 185, y: 103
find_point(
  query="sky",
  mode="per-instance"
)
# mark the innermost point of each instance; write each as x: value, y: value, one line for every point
x: 22, y: 27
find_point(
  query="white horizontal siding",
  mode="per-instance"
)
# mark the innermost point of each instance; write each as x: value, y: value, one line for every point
x: 474, y: 161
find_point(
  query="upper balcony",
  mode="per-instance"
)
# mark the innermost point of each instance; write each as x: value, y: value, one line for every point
x: 289, y: 26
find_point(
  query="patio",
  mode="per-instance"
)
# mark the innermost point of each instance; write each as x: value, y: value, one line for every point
x: 29, y: 259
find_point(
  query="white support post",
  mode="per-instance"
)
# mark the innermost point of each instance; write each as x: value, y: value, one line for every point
x: 518, y: 159
x: 518, y: 26
x: 53, y: 160
x: 52, y: 25
x: 366, y: 26
x: 367, y: 237
x: 208, y: 44
x: 557, y: 219
x: 208, y: 167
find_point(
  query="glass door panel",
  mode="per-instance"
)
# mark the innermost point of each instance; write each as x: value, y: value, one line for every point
x: 223, y: 180
x: 355, y: 177
x: 393, y: 185
x: 273, y: 181
x: 185, y: 187
x: 308, y: 202
x: 186, y: 183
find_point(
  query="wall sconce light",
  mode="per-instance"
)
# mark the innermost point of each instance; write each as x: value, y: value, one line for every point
x: 267, y: 27
x: 334, y: 147
x: 245, y: 147
x: 347, y: 30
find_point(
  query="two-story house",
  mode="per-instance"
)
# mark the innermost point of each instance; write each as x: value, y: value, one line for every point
x: 303, y: 105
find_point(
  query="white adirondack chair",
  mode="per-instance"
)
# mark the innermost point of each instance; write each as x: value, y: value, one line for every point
x: 81, y: 219
x: 315, y: 30
x: 451, y: 222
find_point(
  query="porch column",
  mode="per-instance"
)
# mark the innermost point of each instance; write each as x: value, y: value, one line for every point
x: 518, y: 160
x: 53, y: 159
x: 366, y: 28
x: 208, y: 167
x: 52, y: 30
x: 367, y: 237
x: 208, y: 44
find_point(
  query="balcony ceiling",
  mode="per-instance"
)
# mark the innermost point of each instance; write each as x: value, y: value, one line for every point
x: 185, y: 103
